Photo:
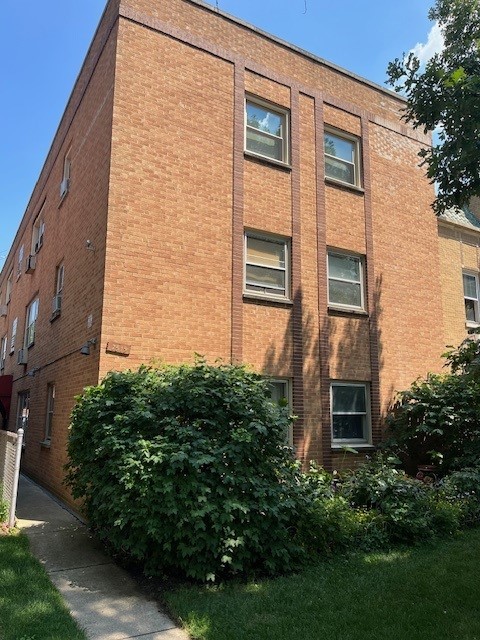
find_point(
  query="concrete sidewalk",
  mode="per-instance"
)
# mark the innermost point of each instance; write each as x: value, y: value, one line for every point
x: 103, y: 599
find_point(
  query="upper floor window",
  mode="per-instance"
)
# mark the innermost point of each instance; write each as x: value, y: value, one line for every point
x: 8, y: 293
x: 20, y: 260
x: 57, y: 298
x: 471, y: 297
x: 280, y: 393
x: 267, y: 269
x: 37, y: 233
x: 50, y: 412
x: 266, y: 130
x: 350, y: 412
x: 342, y: 158
x: 345, y: 281
x: 65, y: 183
x: 14, y: 335
x: 3, y: 352
x: 32, y: 315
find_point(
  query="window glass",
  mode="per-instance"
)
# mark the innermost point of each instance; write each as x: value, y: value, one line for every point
x: 279, y: 391
x: 344, y: 267
x: 32, y: 314
x: 345, y: 293
x: 348, y: 399
x: 50, y: 411
x: 469, y: 285
x: 339, y: 147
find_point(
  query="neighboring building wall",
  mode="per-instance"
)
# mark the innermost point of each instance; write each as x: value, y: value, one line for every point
x: 459, y: 253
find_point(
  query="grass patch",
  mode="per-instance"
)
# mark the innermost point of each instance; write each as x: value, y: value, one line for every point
x: 425, y: 593
x: 30, y: 606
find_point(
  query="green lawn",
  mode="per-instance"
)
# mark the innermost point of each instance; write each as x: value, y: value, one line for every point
x: 30, y: 606
x: 425, y: 593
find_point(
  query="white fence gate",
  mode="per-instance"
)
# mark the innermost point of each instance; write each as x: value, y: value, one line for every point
x: 10, y: 453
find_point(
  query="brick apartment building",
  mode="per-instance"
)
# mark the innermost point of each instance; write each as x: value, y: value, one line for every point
x: 213, y: 189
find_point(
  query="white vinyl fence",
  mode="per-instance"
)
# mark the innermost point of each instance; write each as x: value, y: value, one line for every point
x: 10, y: 453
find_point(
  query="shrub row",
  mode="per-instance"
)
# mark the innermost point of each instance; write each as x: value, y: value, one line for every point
x: 184, y: 469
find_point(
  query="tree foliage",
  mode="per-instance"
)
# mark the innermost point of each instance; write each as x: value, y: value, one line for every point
x: 446, y: 94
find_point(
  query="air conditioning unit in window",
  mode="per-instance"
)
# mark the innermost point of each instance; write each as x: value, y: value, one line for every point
x: 64, y: 185
x: 31, y: 262
x: 57, y: 303
x: 22, y: 356
x: 3, y: 310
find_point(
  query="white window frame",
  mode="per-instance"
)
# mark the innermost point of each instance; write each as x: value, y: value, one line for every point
x: 284, y: 294
x: 3, y: 351
x: 342, y: 135
x: 8, y: 292
x: 367, y: 439
x: 288, y: 396
x: 38, y: 232
x: 57, y: 298
x: 30, y: 323
x: 67, y: 166
x: 21, y: 253
x: 285, y: 137
x: 476, y: 301
x: 361, y: 282
x: 14, y: 335
x: 50, y: 412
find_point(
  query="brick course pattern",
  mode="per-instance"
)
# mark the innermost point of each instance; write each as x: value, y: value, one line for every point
x: 163, y: 191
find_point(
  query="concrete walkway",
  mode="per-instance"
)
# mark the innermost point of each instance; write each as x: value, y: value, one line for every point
x: 103, y: 599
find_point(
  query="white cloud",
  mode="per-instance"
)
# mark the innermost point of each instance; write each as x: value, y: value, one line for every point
x: 434, y: 44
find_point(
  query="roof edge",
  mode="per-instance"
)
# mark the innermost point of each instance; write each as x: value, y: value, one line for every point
x: 303, y: 52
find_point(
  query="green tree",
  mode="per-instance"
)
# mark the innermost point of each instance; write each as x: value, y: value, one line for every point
x: 446, y: 94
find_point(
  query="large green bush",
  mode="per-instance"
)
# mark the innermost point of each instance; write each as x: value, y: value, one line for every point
x: 184, y: 468
x: 437, y: 420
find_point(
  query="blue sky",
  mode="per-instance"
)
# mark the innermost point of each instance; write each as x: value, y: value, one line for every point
x: 43, y: 44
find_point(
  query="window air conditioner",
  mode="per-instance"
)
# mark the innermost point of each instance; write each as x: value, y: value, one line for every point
x: 22, y: 356
x: 57, y: 303
x: 3, y: 310
x: 31, y: 262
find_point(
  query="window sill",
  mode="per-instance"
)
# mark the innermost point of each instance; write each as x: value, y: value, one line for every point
x: 270, y: 161
x: 45, y: 444
x: 341, y: 447
x: 252, y: 297
x: 55, y: 315
x: 472, y: 325
x: 344, y: 185
x: 350, y: 311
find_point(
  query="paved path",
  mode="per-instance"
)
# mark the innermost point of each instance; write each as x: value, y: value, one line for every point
x: 103, y: 599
